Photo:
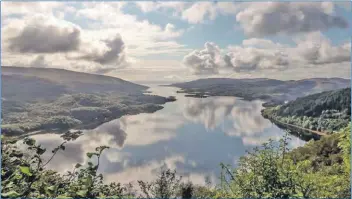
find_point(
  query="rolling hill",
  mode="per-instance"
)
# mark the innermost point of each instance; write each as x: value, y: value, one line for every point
x: 35, y: 99
x: 39, y: 81
x: 271, y: 90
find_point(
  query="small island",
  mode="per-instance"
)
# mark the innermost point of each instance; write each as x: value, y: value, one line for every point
x: 171, y: 98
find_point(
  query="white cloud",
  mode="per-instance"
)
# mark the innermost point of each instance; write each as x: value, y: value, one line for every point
x: 28, y: 8
x: 69, y: 9
x: 113, y: 55
x: 253, y: 55
x: 206, y: 61
x: 249, y: 58
x: 101, y: 10
x: 270, y: 18
x: 260, y: 18
x: 58, y: 41
x: 153, y: 6
x: 262, y: 43
x: 98, y: 47
x: 60, y: 15
x: 192, y: 12
x: 41, y: 34
x: 200, y: 11
x: 316, y: 49
x: 142, y: 36
x: 256, y: 54
x: 171, y: 32
x: 139, y: 39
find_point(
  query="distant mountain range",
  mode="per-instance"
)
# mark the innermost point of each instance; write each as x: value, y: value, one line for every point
x: 276, y: 91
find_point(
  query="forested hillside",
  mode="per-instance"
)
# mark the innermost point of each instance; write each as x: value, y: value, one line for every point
x: 314, y: 105
x: 271, y: 90
x: 54, y: 99
x: 327, y: 111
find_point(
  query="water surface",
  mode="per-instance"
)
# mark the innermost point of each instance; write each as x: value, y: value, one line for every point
x: 191, y: 135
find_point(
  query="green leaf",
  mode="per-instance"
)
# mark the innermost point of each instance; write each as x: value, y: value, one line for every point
x: 10, y: 194
x: 82, y: 193
x: 51, y: 188
x: 17, y: 176
x: 91, y: 154
x: 101, y: 148
x: 10, y: 184
x: 40, y: 151
x: 63, y: 196
x: 25, y: 170
x: 78, y: 165
x: 63, y: 147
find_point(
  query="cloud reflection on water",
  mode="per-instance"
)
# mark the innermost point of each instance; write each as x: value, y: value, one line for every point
x: 192, y: 135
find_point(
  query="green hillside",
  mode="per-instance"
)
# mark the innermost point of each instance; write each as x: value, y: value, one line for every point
x: 314, y: 105
x: 54, y: 99
x: 326, y: 112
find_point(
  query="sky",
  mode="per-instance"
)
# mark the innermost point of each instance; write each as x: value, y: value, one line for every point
x: 164, y: 42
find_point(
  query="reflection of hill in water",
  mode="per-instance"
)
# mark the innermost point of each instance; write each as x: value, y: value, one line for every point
x: 192, y: 135
x: 301, y: 133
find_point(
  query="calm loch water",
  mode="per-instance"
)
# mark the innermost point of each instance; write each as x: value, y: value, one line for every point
x: 191, y: 135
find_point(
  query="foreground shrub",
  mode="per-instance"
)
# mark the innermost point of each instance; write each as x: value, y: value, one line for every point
x: 271, y: 171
